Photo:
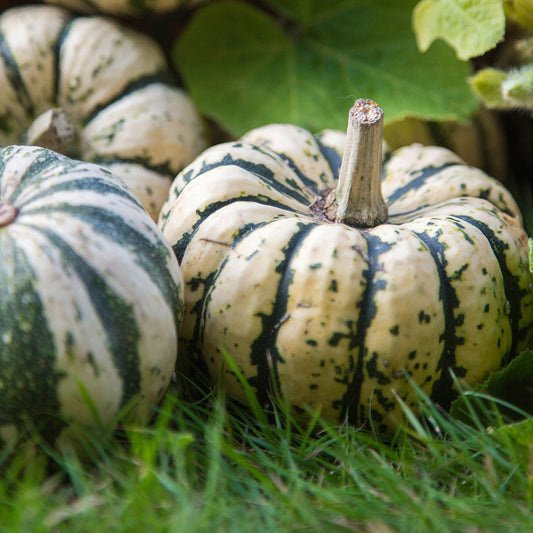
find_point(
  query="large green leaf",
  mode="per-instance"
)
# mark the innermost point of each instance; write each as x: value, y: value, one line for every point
x: 306, y: 63
x: 514, y: 383
x: 471, y: 27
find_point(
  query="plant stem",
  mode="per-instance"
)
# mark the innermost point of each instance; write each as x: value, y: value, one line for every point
x: 358, y: 193
x: 52, y: 130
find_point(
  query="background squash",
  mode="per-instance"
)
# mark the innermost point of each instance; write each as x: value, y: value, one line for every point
x: 335, y: 316
x: 125, y: 7
x: 480, y: 142
x: 92, y: 296
x: 97, y: 91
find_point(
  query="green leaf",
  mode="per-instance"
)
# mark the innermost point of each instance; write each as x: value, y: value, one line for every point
x: 470, y: 27
x: 511, y: 389
x: 514, y: 383
x: 245, y: 68
x: 521, y: 432
x: 520, y: 11
x: 300, y: 10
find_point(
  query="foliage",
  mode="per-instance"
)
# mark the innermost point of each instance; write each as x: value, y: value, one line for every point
x: 505, y: 89
x: 510, y: 86
x: 509, y: 390
x: 475, y: 27
x: 305, y: 63
x: 471, y: 27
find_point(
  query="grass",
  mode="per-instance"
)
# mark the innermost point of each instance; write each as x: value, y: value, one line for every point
x: 206, y: 464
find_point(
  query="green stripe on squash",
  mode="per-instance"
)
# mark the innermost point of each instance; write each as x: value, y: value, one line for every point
x: 25, y: 387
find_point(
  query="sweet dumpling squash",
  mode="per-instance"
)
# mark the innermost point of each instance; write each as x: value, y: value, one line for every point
x: 334, y: 286
x: 91, y: 297
x: 95, y: 90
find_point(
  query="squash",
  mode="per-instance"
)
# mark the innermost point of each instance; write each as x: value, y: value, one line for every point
x: 479, y: 142
x: 125, y: 7
x: 334, y: 289
x: 92, y: 297
x: 96, y: 91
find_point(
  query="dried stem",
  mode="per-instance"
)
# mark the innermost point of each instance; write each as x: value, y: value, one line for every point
x: 358, y: 194
x: 52, y: 130
x: 8, y: 213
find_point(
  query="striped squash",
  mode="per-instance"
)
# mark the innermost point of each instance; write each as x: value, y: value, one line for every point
x: 125, y: 7
x: 92, y: 296
x: 480, y: 142
x: 334, y: 316
x: 96, y: 91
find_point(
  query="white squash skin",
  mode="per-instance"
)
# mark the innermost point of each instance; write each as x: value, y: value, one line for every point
x: 289, y: 141
x: 98, y: 59
x: 64, y: 297
x: 314, y: 313
x: 312, y: 338
x: 84, y: 355
x: 250, y: 153
x: 321, y: 301
x: 457, y: 179
x: 155, y: 125
x: 145, y: 184
x: 29, y: 37
x: 335, y: 139
x: 220, y: 185
x: 158, y: 112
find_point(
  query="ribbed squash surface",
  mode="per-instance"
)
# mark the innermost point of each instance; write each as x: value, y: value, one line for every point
x: 91, y: 296
x: 335, y: 317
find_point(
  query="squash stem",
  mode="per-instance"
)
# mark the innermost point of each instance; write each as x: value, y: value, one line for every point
x: 358, y: 193
x: 52, y: 129
x: 8, y: 214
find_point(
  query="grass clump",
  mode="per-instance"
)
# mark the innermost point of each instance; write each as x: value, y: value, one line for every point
x: 208, y: 464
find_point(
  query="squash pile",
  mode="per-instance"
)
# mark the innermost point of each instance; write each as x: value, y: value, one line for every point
x: 91, y: 293
x: 334, y: 288
x: 331, y: 274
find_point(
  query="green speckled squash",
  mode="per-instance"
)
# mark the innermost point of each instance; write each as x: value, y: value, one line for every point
x: 132, y: 8
x: 91, y: 296
x: 333, y: 304
x: 96, y: 91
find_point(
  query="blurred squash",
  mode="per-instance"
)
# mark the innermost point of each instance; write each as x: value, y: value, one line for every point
x: 480, y: 142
